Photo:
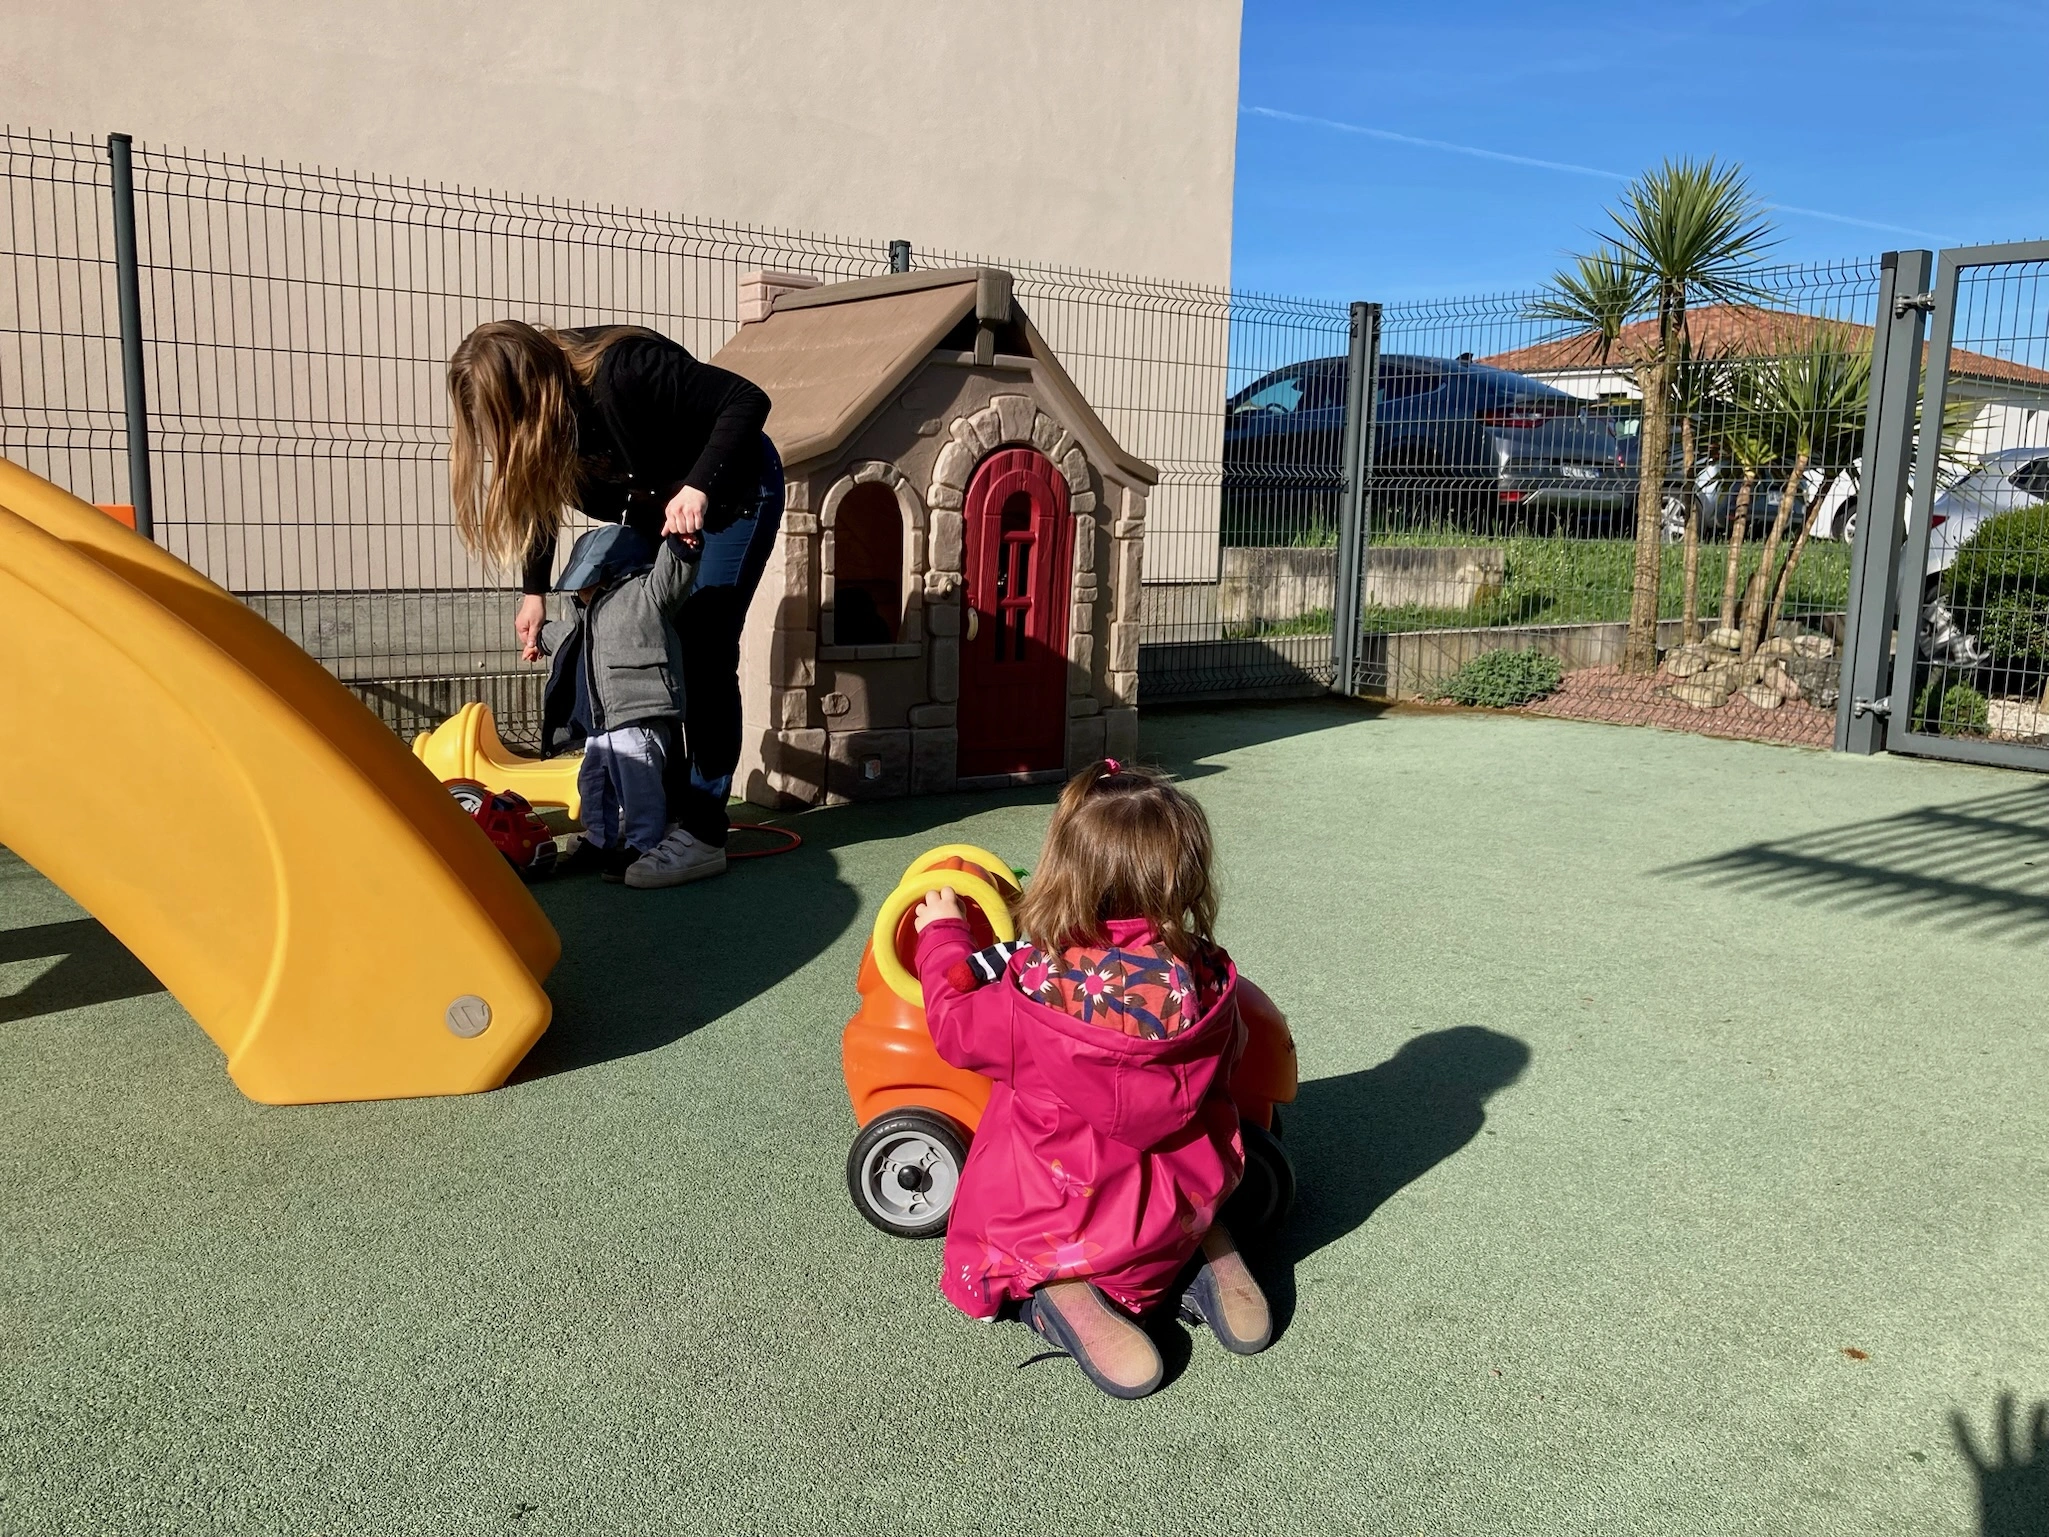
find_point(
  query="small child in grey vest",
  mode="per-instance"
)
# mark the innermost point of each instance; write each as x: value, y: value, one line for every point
x: 617, y: 676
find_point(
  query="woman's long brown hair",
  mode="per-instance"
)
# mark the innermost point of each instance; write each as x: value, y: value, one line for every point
x: 1125, y: 843
x: 513, y: 452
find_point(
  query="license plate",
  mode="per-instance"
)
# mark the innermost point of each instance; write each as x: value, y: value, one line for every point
x: 1579, y: 472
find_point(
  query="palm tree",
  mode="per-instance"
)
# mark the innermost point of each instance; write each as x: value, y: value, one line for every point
x: 1745, y: 443
x: 1695, y: 232
x: 1698, y: 382
x: 1594, y: 298
x: 1812, y: 405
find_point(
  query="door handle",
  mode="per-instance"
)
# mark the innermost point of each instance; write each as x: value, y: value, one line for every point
x: 974, y: 623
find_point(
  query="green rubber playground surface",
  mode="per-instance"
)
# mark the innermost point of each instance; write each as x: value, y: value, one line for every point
x: 1673, y: 1149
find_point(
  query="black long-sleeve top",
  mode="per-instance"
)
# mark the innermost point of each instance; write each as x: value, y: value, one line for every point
x: 653, y: 420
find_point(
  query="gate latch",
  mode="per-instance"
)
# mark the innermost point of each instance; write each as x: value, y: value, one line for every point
x: 1881, y: 706
x: 1925, y: 303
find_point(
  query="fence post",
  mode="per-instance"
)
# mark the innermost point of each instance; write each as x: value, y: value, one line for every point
x: 1355, y: 525
x: 899, y: 256
x: 1889, y: 437
x: 128, y: 280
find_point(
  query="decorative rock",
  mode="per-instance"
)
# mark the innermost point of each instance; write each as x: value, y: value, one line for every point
x: 952, y: 467
x: 1726, y: 640
x: 797, y: 495
x: 825, y: 554
x: 1075, y: 466
x: 1081, y: 652
x: 1778, y: 645
x: 1045, y: 433
x: 1815, y: 646
x: 945, y: 536
x: 800, y: 522
x: 1085, y: 537
x: 1120, y: 733
x: 1015, y: 413
x: 1060, y: 446
x: 1123, y: 655
x: 792, y: 707
x: 1128, y: 528
x: 867, y: 765
x: 1081, y: 619
x: 1763, y: 695
x: 930, y: 429
x: 1787, y: 685
x: 1130, y: 568
x: 1084, y: 742
x: 1084, y: 592
x: 792, y: 658
x: 926, y: 716
x: 914, y: 550
x: 935, y: 757
x: 1700, y: 695
x: 945, y: 669
x: 945, y: 496
x: 872, y: 470
x: 795, y: 764
x: 1685, y: 661
x: 835, y: 704
x: 1084, y: 704
x: 988, y: 425
x: 1123, y: 686
x: 941, y: 584
x: 942, y: 618
x: 1082, y: 502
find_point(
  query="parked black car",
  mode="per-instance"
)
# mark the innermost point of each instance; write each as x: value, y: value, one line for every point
x: 1455, y: 440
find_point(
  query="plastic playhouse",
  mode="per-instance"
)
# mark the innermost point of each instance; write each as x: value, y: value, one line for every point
x: 917, y: 1112
x: 329, y: 915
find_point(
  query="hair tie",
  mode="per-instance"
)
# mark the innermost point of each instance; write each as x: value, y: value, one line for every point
x: 1111, y: 766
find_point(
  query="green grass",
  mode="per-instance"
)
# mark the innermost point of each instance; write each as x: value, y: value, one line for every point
x: 1606, y: 1159
x: 1558, y: 580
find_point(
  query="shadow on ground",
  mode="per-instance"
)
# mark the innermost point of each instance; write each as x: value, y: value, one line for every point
x: 1358, y: 1138
x: 2012, y: 1474
x: 1978, y: 866
x: 89, y: 966
x: 1181, y: 737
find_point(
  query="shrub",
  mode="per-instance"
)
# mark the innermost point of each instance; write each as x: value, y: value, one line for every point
x: 2007, y: 556
x: 1954, y: 710
x: 2015, y: 631
x: 1498, y: 680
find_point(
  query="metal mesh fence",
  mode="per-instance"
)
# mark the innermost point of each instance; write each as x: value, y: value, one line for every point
x: 1504, y: 515
x: 1981, y: 658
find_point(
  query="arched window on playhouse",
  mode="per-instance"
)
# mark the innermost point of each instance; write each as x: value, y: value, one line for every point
x: 870, y: 594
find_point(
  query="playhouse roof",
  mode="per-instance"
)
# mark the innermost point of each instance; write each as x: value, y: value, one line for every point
x: 830, y: 357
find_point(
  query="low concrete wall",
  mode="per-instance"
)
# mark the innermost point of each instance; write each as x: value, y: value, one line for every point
x: 1270, y: 667
x: 1409, y: 664
x: 1272, y: 586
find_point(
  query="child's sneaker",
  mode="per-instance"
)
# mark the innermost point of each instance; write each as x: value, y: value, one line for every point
x: 677, y: 859
x: 585, y: 858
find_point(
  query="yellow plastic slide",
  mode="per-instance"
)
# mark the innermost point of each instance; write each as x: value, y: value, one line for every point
x: 297, y: 879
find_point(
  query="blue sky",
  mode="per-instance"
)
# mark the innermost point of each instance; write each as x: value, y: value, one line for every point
x: 1336, y: 198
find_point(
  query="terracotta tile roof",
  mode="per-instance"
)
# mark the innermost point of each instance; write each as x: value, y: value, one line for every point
x: 1740, y: 328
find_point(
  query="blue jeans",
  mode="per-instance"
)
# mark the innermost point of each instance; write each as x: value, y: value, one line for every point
x: 621, y: 787
x: 709, y: 627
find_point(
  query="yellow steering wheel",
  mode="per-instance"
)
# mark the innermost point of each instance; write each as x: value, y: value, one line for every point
x: 999, y: 872
x: 888, y: 964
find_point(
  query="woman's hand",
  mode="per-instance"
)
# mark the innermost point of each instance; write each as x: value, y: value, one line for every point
x: 685, y: 513
x: 937, y: 905
x: 526, y: 624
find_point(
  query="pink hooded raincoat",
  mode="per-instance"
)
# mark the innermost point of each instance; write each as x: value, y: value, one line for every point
x: 1101, y: 1155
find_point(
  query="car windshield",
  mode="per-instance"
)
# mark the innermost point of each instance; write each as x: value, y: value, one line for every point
x: 1277, y: 399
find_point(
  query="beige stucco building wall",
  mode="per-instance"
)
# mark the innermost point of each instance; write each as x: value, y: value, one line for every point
x: 1095, y: 133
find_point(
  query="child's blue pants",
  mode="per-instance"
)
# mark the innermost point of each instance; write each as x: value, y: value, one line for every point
x: 621, y: 786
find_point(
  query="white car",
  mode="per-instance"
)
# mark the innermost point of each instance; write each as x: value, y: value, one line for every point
x: 2013, y: 477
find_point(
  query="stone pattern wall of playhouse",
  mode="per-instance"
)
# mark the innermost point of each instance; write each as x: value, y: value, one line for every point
x: 833, y: 721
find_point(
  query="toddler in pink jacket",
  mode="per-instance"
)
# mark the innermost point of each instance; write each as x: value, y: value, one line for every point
x: 1110, y: 1139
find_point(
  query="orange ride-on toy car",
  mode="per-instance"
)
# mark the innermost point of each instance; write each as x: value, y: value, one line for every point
x: 918, y: 1113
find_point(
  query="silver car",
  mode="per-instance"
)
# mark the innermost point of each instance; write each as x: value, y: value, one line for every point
x: 2013, y: 477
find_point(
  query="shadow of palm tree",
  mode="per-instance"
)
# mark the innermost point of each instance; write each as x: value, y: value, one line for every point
x: 1979, y: 866
x: 2013, y: 1479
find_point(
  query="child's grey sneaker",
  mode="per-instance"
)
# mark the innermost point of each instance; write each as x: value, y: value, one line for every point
x: 676, y: 860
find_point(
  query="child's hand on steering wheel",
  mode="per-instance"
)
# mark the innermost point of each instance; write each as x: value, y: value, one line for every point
x: 937, y: 905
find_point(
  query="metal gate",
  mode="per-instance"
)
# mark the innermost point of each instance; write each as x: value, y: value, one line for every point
x: 1968, y: 673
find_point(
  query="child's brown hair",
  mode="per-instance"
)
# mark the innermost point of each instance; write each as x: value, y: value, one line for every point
x: 1125, y: 843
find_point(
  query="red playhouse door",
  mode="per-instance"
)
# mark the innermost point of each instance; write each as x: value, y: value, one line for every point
x: 1013, y: 671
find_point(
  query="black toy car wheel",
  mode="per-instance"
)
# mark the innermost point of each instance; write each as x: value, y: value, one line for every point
x: 1260, y: 1204
x: 903, y: 1170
